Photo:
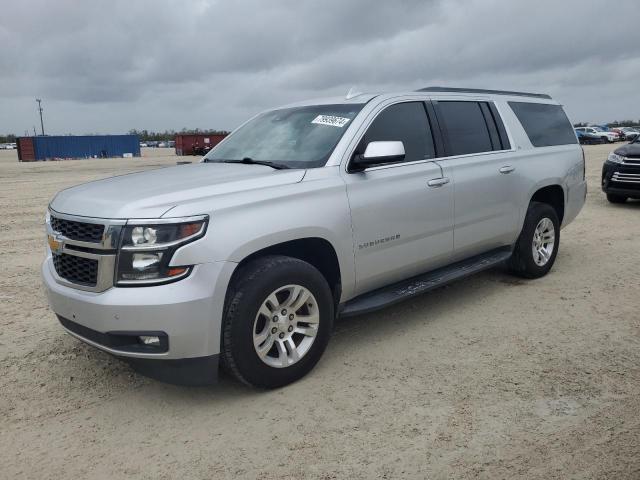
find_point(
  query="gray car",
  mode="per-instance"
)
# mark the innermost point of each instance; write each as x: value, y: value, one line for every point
x: 305, y: 213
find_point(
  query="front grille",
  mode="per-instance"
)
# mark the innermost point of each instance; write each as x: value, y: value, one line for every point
x: 631, y: 161
x: 80, y: 270
x: 81, y: 231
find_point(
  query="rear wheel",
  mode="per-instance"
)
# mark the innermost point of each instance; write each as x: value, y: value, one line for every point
x: 536, y: 249
x: 616, y: 198
x: 278, y: 321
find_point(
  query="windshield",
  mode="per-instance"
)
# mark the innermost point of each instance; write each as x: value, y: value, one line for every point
x: 300, y: 137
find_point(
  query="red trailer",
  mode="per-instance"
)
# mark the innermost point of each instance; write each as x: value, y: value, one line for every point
x: 26, y: 151
x: 197, y: 144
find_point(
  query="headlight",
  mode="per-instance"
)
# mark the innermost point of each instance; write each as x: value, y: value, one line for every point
x: 146, y: 250
x: 615, y: 158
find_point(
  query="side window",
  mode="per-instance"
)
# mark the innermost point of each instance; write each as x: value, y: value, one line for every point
x: 405, y: 122
x: 545, y: 124
x: 466, y: 128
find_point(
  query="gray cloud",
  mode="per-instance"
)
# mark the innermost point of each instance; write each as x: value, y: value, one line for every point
x: 111, y: 66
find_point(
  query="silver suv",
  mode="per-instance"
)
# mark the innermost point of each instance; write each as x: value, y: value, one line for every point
x: 305, y: 213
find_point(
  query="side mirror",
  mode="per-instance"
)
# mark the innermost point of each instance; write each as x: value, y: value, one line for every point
x: 377, y: 153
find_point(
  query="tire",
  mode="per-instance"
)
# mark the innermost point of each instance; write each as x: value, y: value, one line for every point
x: 256, y: 289
x: 616, y: 198
x: 523, y: 262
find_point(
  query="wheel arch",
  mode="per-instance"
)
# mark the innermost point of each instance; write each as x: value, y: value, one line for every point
x: 552, y: 194
x: 315, y: 250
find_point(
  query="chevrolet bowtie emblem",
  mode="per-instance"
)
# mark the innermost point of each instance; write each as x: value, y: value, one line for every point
x: 56, y: 244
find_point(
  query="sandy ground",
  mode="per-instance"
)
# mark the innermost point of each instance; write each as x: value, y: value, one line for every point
x: 492, y: 377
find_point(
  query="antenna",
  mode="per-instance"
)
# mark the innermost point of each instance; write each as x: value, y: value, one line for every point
x: 353, y: 92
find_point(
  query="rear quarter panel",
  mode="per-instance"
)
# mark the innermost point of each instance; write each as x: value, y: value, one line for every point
x: 539, y: 167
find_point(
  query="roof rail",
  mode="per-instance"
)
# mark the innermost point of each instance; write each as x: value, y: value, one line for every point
x: 480, y: 90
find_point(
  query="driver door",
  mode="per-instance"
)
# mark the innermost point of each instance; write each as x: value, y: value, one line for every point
x: 401, y: 212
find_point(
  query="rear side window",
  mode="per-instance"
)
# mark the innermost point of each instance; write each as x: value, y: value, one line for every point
x: 546, y: 125
x: 471, y: 127
x: 404, y: 122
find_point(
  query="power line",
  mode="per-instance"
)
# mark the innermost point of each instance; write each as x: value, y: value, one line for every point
x: 40, y: 110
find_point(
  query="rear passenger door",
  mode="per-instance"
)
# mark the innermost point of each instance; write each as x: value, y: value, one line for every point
x: 479, y: 159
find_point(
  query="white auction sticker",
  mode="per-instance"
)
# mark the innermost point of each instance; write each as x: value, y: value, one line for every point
x: 331, y: 120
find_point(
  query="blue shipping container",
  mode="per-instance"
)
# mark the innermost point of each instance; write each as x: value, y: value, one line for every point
x: 86, y: 146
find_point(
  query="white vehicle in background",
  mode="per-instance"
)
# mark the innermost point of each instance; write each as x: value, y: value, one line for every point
x: 608, y: 137
x: 630, y: 132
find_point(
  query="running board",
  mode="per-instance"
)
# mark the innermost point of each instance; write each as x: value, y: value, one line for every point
x: 397, y: 292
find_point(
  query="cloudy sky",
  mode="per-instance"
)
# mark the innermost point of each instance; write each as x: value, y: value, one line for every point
x: 107, y: 67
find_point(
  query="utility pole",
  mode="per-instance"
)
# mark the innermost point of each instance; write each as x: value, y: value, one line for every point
x: 40, y: 110
x: 34, y: 131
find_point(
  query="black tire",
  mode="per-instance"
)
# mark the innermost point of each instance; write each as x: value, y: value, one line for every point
x: 616, y: 198
x: 250, y: 288
x: 522, y: 262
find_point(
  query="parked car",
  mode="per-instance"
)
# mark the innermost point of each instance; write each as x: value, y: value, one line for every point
x: 143, y: 144
x: 320, y: 209
x: 586, y: 138
x: 619, y: 132
x: 621, y: 173
x: 608, y: 137
x: 630, y: 133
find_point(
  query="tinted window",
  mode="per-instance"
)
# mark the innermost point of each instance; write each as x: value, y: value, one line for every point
x: 546, y: 125
x: 465, y: 127
x: 405, y: 122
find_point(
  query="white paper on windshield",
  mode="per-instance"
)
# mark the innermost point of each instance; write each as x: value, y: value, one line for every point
x: 331, y: 120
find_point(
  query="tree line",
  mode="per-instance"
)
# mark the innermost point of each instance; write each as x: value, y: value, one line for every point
x: 614, y: 124
x: 149, y: 136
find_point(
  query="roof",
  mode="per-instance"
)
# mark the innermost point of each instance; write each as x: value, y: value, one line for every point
x: 366, y: 97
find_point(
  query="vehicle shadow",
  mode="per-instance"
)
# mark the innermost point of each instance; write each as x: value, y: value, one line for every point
x: 358, y: 332
x: 355, y: 333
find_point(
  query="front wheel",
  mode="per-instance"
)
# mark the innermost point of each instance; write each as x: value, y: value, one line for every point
x: 537, y: 247
x: 278, y: 320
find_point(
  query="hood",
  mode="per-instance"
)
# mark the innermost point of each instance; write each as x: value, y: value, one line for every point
x: 631, y: 150
x: 152, y: 193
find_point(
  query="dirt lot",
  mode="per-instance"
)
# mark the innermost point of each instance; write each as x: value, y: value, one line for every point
x: 492, y: 377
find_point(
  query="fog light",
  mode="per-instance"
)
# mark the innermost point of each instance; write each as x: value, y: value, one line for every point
x: 150, y: 340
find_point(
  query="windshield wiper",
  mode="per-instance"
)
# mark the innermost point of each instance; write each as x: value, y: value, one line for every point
x: 251, y: 161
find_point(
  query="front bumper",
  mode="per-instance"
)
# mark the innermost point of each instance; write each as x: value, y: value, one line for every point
x: 189, y: 312
x: 627, y: 181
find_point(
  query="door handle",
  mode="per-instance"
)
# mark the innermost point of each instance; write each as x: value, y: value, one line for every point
x: 438, y: 182
x: 507, y: 169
